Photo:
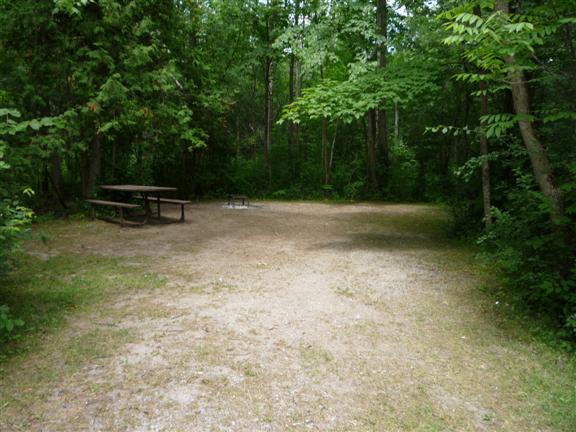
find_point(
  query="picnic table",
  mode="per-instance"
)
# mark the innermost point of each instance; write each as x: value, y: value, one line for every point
x: 144, y: 191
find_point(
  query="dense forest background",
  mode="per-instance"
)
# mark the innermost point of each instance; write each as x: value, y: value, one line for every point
x: 467, y: 103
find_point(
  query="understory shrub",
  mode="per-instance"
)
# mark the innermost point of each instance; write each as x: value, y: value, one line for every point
x: 8, y: 323
x: 535, y: 256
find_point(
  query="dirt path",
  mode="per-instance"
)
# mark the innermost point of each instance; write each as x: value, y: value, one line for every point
x: 293, y: 317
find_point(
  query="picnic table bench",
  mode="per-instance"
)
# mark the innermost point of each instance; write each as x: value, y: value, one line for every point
x: 179, y: 202
x: 233, y: 199
x: 144, y: 190
x: 120, y: 206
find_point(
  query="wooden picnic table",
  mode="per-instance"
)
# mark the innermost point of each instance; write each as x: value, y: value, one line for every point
x: 144, y: 191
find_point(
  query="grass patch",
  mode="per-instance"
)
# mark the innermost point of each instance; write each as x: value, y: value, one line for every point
x: 315, y: 359
x: 206, y: 353
x: 43, y: 293
x: 93, y: 345
x: 249, y: 371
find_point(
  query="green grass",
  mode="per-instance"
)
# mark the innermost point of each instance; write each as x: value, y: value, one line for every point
x: 43, y: 293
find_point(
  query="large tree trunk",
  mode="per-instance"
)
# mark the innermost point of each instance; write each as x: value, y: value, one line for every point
x: 382, y: 126
x: 486, y: 199
x: 371, y: 148
x: 538, y: 157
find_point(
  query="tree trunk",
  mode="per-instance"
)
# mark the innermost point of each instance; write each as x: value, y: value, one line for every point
x: 114, y: 151
x: 382, y: 128
x: 268, y: 83
x: 293, y: 93
x: 396, y: 121
x: 538, y: 157
x: 56, y: 178
x: 486, y: 199
x: 325, y: 152
x: 237, y: 135
x: 371, y: 148
x: 331, y: 158
x: 92, y: 166
x: 290, y: 125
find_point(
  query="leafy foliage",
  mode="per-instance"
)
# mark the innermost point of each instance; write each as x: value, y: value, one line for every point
x: 7, y: 322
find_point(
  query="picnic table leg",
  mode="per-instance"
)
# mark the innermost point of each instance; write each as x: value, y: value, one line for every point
x: 181, y: 212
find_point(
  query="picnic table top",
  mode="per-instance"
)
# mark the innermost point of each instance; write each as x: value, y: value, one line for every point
x: 137, y: 188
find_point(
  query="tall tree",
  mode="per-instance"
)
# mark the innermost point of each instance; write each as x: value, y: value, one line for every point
x: 381, y: 115
x: 538, y: 157
x: 486, y: 194
x: 294, y: 92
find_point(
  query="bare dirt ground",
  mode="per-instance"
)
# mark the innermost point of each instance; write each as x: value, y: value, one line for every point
x: 288, y: 317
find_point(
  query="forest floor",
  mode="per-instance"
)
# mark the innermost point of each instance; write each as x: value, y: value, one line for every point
x: 281, y: 317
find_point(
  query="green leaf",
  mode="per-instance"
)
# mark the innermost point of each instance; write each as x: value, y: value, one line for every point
x: 35, y: 124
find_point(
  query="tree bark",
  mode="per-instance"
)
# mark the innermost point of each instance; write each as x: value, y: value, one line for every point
x: 486, y: 198
x: 538, y: 157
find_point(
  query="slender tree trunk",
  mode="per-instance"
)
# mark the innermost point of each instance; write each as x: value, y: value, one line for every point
x: 290, y: 125
x: 92, y: 165
x: 538, y: 157
x: 325, y: 152
x: 464, y: 154
x: 188, y: 169
x: 371, y: 148
x: 296, y: 127
x: 396, y: 121
x: 237, y: 135
x: 331, y: 158
x: 114, y: 151
x: 293, y: 93
x: 486, y: 198
x: 56, y: 173
x: 268, y: 83
x: 56, y: 178
x: 382, y: 125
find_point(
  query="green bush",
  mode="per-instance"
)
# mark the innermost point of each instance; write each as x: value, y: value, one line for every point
x: 14, y: 220
x: 535, y: 256
x: 7, y: 323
